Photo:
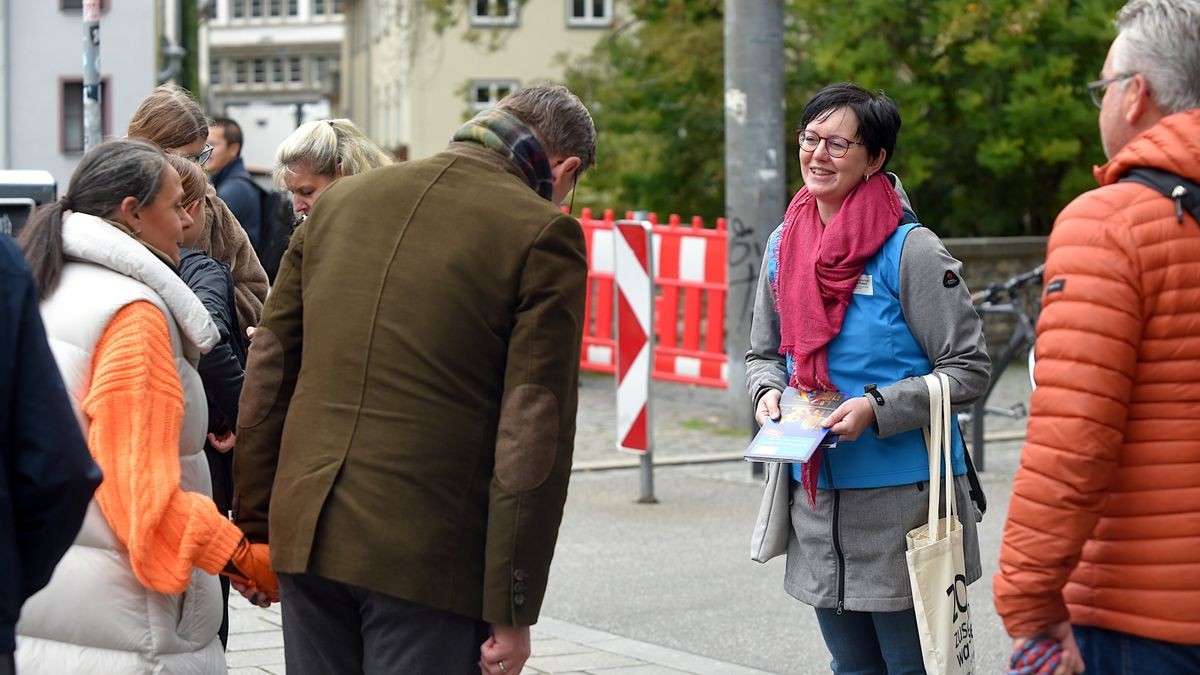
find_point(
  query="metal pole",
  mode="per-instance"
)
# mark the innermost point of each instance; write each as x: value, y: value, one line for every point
x: 755, y: 188
x: 93, y: 130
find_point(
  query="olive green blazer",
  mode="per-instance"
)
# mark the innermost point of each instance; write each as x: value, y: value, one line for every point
x: 408, y: 416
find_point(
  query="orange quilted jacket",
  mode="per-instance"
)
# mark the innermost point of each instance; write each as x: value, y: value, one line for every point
x: 1104, y: 524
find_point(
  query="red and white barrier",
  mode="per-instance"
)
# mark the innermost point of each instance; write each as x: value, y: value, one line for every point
x: 635, y: 337
x: 690, y: 279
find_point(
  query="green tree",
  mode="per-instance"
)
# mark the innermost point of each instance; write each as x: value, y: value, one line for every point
x: 998, y: 132
x: 654, y: 87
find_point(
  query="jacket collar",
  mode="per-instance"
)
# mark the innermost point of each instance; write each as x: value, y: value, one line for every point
x: 94, y: 240
x: 1172, y: 145
x: 482, y: 154
x: 231, y: 169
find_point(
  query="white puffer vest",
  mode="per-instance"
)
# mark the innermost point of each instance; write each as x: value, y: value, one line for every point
x: 95, y: 616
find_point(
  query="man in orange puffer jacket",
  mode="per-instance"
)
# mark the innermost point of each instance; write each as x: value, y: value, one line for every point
x: 1101, y: 550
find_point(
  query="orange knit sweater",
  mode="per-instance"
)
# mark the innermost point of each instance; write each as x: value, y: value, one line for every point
x: 135, y: 406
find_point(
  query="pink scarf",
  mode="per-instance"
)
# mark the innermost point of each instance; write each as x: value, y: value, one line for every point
x: 817, y: 270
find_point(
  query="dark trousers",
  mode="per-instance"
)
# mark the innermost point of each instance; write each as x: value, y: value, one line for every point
x: 1109, y: 652
x: 331, y: 628
x: 7, y: 664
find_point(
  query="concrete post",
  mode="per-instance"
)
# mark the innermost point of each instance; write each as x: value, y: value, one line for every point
x: 755, y: 189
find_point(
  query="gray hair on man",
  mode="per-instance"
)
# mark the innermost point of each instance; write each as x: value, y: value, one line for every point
x: 558, y: 118
x: 1161, y: 40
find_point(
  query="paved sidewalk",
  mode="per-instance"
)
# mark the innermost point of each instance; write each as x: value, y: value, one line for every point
x: 256, y: 647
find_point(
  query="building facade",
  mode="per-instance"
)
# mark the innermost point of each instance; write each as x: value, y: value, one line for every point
x: 407, y: 83
x: 271, y: 65
x: 41, y: 99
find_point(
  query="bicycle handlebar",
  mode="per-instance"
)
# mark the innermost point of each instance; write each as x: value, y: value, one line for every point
x: 1009, y: 287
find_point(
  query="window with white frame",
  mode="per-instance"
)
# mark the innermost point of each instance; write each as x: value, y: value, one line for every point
x: 256, y: 8
x: 276, y: 74
x: 320, y: 68
x: 493, y: 12
x: 240, y: 69
x: 214, y: 72
x: 295, y: 70
x: 260, y: 71
x: 487, y: 93
x: 589, y: 13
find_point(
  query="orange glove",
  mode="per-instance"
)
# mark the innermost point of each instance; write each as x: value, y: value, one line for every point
x: 251, y: 565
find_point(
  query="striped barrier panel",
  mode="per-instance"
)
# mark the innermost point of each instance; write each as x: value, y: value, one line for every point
x: 691, y: 281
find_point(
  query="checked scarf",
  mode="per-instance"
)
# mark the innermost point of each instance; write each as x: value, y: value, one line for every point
x: 503, y: 133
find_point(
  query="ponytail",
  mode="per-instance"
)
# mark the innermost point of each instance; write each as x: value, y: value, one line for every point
x: 41, y: 240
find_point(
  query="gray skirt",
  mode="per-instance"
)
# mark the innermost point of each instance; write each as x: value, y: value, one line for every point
x: 871, y: 525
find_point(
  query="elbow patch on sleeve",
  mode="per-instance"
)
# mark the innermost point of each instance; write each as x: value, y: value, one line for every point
x: 264, y: 377
x: 527, y: 438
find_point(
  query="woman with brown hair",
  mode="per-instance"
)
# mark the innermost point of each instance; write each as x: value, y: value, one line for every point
x: 171, y: 119
x: 223, y: 369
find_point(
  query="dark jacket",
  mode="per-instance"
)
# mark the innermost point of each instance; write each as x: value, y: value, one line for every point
x: 239, y: 192
x: 412, y: 388
x: 47, y: 475
x: 222, y: 369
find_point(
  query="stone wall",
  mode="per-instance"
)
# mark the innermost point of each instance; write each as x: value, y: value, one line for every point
x: 995, y: 259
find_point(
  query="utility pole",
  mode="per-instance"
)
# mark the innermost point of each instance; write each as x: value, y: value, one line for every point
x: 755, y: 188
x: 92, y: 130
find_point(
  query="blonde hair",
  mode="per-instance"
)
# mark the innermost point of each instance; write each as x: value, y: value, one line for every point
x: 323, y: 146
x: 195, y: 183
x: 169, y: 118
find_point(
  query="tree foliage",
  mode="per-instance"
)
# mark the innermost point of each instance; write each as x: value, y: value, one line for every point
x: 654, y: 87
x: 998, y: 133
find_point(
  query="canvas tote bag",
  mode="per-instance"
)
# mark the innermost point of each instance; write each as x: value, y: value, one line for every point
x: 935, y: 555
x: 774, y: 523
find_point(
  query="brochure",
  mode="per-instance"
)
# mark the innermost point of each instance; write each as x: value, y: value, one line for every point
x: 798, y: 433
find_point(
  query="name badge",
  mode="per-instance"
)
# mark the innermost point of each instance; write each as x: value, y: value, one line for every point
x: 864, y: 286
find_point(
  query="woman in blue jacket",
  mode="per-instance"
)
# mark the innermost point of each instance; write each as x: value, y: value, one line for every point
x: 854, y: 295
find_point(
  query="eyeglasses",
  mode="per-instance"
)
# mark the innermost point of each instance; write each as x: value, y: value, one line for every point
x: 1096, y: 89
x: 836, y: 146
x: 200, y: 157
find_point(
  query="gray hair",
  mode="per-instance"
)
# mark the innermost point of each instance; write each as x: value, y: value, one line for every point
x: 1161, y: 40
x: 322, y: 146
x: 105, y: 177
x: 558, y: 118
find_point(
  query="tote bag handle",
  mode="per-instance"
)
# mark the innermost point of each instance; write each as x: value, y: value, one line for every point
x: 938, y: 441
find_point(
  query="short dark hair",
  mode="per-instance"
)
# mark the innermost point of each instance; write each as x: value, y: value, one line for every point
x: 232, y: 131
x: 878, y: 118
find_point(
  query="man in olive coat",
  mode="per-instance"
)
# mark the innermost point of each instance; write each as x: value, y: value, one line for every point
x: 408, y: 417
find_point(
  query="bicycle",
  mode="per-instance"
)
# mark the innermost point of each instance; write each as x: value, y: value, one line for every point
x: 1006, y: 299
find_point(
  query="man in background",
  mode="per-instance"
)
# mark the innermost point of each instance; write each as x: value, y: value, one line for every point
x: 1101, y: 551
x: 233, y: 183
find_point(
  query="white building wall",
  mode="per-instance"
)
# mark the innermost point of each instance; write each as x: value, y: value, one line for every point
x: 45, y: 46
x: 394, y: 49
x: 268, y: 111
x: 531, y: 52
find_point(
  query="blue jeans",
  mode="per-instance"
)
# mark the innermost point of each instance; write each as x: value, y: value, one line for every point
x: 873, y: 643
x: 1109, y: 652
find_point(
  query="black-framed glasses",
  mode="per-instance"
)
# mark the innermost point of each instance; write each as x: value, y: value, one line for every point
x: 1097, y: 88
x: 836, y: 146
x: 200, y: 157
